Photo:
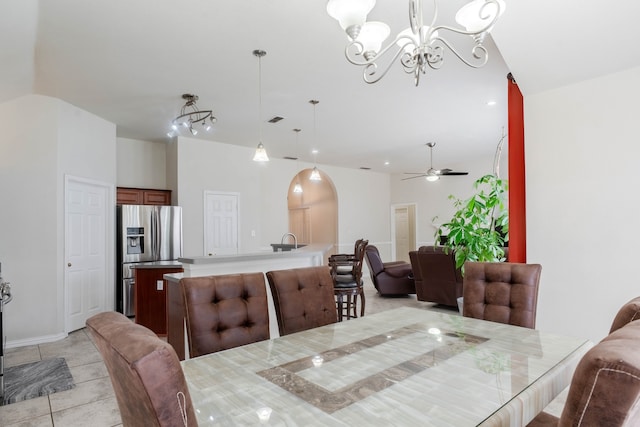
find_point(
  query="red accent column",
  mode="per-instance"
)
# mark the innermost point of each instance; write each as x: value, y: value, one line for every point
x: 517, y: 184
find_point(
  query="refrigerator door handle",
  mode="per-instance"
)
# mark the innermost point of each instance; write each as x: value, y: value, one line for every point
x: 155, y: 231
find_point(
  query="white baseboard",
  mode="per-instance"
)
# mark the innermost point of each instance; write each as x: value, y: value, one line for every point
x: 36, y: 340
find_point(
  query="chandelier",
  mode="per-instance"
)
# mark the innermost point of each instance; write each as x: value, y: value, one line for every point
x: 417, y: 47
x: 191, y: 116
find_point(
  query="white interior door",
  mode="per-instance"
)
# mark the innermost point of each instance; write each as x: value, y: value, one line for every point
x: 87, y: 280
x: 403, y: 231
x: 221, y: 212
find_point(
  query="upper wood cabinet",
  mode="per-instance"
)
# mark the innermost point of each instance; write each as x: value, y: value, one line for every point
x: 142, y: 196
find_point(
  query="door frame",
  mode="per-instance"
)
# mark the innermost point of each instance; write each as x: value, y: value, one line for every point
x: 109, y: 239
x: 393, y: 225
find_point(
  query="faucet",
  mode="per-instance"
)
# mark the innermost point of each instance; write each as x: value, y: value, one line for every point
x: 295, y: 239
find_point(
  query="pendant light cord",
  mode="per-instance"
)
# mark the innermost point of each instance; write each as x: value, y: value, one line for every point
x: 259, y: 98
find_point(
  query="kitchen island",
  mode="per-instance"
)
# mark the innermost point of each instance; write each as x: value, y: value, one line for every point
x: 307, y: 256
x: 150, y: 293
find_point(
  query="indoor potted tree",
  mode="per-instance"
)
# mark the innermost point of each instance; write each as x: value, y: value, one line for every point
x: 479, y: 228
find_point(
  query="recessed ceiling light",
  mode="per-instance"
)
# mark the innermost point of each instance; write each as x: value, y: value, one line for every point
x: 491, y: 103
x: 314, y: 151
x: 386, y: 163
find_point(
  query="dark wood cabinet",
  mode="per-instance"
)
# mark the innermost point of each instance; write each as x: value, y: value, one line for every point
x: 151, y: 297
x: 128, y: 196
x: 175, y: 318
x: 142, y: 196
x: 156, y: 197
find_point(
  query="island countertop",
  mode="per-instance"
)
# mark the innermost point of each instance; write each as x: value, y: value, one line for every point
x: 302, y: 252
x: 156, y: 265
x: 306, y: 256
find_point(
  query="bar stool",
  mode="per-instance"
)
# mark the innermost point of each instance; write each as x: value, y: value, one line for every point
x: 346, y: 272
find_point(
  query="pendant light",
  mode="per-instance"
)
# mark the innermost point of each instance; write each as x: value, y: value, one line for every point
x: 297, y: 188
x: 261, y: 152
x: 315, y: 173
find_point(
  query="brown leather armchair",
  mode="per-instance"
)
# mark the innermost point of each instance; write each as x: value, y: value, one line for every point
x: 389, y: 278
x: 605, y: 388
x: 436, y: 277
x: 147, y: 378
x: 225, y: 311
x: 504, y: 292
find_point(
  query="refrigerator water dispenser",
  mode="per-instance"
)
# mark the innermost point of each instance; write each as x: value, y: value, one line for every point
x: 135, y: 240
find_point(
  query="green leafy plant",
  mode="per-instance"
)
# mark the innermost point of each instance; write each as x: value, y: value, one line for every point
x: 479, y: 228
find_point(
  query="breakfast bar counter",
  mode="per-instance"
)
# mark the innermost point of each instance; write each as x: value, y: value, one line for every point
x: 307, y: 256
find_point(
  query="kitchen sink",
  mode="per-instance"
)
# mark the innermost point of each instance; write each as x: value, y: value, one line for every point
x: 284, y: 247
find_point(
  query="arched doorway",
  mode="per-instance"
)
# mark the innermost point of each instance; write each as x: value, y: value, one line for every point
x: 313, y: 214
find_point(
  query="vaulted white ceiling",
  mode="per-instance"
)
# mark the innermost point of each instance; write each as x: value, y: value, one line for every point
x: 130, y: 61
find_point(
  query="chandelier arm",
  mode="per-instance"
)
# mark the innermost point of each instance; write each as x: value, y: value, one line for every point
x: 479, y: 52
x: 465, y: 32
x: 370, y: 73
x: 354, y: 50
x: 481, y: 16
x: 200, y: 116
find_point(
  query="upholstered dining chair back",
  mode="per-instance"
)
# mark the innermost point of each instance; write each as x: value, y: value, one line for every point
x: 147, y: 378
x: 225, y: 311
x: 303, y: 298
x: 501, y: 292
x: 605, y: 388
x: 628, y: 313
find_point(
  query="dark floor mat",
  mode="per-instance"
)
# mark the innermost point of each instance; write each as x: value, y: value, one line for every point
x: 36, y: 379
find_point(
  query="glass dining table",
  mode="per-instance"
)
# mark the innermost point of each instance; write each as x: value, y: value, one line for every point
x: 402, y: 367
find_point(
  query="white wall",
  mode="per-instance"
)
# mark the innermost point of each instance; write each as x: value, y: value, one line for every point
x: 432, y: 198
x: 43, y: 140
x: 141, y: 164
x: 582, y: 156
x: 363, y: 197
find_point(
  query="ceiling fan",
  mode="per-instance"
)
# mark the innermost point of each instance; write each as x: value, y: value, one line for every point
x: 433, y: 174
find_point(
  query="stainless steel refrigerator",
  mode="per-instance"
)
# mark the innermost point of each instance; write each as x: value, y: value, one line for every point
x: 145, y: 233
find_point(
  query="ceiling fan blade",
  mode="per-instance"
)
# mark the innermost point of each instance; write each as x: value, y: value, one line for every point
x: 413, y: 173
x: 450, y: 172
x: 413, y: 177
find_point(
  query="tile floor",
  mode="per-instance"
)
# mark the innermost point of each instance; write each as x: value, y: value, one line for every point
x: 92, y: 401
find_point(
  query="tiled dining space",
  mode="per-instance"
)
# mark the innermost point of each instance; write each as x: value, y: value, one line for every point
x: 92, y: 401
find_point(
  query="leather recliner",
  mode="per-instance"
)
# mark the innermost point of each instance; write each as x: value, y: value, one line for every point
x: 436, y: 277
x: 389, y: 278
